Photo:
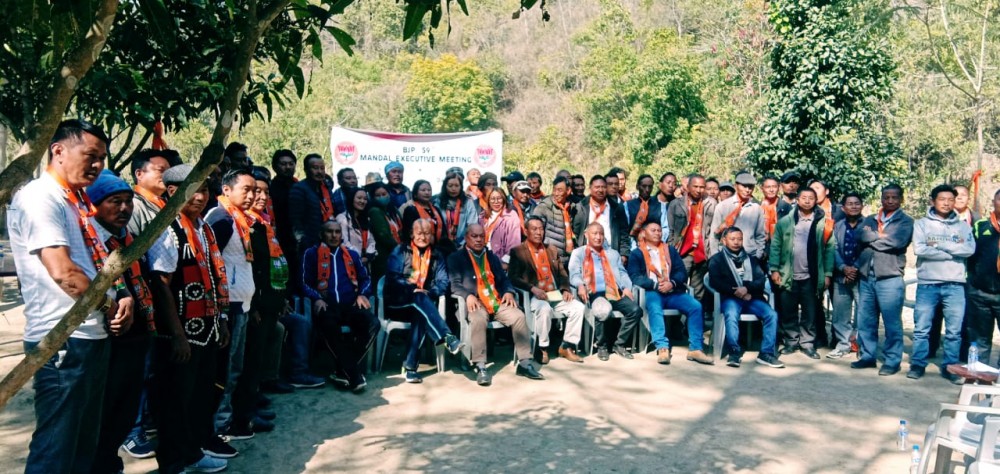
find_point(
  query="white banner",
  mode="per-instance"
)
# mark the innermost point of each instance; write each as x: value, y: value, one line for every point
x: 424, y: 156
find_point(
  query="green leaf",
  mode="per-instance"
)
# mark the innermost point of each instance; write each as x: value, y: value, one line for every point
x: 414, y: 18
x: 345, y: 40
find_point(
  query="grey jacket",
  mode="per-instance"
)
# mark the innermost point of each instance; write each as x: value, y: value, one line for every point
x: 677, y: 218
x: 555, y: 228
x: 941, y: 246
x: 884, y: 256
x: 750, y: 221
x: 143, y: 213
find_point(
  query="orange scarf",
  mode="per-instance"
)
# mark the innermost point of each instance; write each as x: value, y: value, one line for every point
x: 273, y: 247
x: 138, y: 284
x: 828, y: 228
x: 421, y: 265
x: 214, y: 304
x: 324, y: 266
x: 664, y: 263
x: 520, y: 216
x: 590, y: 277
x: 243, y: 223
x: 487, y: 293
x: 640, y: 217
x: 453, y: 216
x: 543, y: 269
x: 996, y: 227
x: 731, y: 218
x: 394, y: 226
x: 438, y: 221
x: 567, y: 224
x: 695, y: 222
x: 598, y: 212
x: 770, y: 215
x: 325, y: 202
x: 538, y: 196
x: 148, y: 195
x: 881, y: 221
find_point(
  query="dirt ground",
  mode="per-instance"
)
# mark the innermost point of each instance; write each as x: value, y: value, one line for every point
x: 615, y: 416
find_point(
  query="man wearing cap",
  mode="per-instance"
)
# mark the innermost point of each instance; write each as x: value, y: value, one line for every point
x: 643, y: 208
x: 522, y: 204
x: 399, y: 194
x: 726, y: 191
x: 741, y: 210
x: 690, y: 223
x: 510, y: 179
x: 790, y: 182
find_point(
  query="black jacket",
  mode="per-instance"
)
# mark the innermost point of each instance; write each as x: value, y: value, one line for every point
x: 463, y: 275
x: 616, y: 217
x: 639, y: 274
x: 983, y: 274
x: 398, y: 290
x: 722, y: 280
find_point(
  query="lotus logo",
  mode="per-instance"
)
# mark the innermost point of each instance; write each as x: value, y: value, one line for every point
x: 485, y: 155
x: 345, y: 153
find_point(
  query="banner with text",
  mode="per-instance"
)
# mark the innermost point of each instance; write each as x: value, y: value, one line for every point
x: 424, y: 156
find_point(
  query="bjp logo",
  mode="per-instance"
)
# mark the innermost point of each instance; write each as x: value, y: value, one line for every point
x: 485, y: 156
x: 345, y: 153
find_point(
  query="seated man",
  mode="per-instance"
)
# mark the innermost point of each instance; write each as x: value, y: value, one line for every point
x: 338, y: 285
x: 659, y: 269
x: 477, y: 276
x: 535, y: 267
x: 739, y: 280
x: 601, y: 281
x: 414, y: 280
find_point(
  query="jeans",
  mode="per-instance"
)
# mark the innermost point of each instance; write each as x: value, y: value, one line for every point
x: 122, y: 397
x: 686, y: 305
x: 845, y: 313
x: 298, y: 327
x: 237, y: 343
x: 883, y: 297
x: 799, y: 329
x: 426, y: 319
x: 982, y: 310
x: 572, y: 310
x: 732, y: 308
x: 69, y: 396
x: 951, y: 296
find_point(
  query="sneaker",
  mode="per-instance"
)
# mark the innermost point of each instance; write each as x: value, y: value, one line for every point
x: 483, y: 377
x: 453, y: 344
x: 237, y: 433
x: 663, y: 356
x: 358, y: 385
x: 886, y: 371
x: 623, y: 352
x: 770, y: 360
x: 340, y: 380
x: 863, y: 364
x: 219, y: 448
x: 734, y: 360
x: 306, y: 381
x: 266, y: 414
x: 915, y: 372
x: 836, y: 354
x: 954, y: 378
x: 411, y: 376
x: 139, y: 446
x: 207, y: 464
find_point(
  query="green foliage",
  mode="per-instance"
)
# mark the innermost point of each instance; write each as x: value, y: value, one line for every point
x: 551, y: 147
x: 832, y: 75
x: 447, y: 95
x: 642, y: 87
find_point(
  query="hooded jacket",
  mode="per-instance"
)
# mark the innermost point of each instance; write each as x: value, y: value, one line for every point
x: 942, y: 244
x: 819, y: 253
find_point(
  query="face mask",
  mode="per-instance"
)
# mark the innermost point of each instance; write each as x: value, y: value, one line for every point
x: 382, y: 201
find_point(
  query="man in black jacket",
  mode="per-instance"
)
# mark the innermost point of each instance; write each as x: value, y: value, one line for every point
x: 982, y: 303
x: 597, y: 208
x: 739, y: 280
x: 477, y: 276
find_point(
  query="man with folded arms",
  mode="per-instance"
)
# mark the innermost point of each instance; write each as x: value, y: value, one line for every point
x: 642, y: 209
x: 477, y: 276
x: 535, y: 267
x: 601, y: 281
x: 659, y: 269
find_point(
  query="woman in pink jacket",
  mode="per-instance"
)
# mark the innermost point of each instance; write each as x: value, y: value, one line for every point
x: 503, y: 228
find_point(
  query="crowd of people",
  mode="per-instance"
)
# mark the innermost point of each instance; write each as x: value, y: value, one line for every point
x: 179, y: 357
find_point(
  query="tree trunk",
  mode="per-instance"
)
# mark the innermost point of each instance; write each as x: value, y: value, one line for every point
x: 77, y: 65
x: 119, y: 260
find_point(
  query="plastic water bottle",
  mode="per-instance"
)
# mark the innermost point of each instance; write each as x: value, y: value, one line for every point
x: 973, y: 357
x: 902, y: 434
x: 915, y: 460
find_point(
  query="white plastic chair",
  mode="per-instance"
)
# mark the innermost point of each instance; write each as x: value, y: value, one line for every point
x: 524, y: 298
x: 466, y: 332
x: 388, y: 326
x: 959, y: 434
x: 719, y: 321
x: 644, y: 335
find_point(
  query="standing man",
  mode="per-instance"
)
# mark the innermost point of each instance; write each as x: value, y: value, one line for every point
x: 522, y: 204
x: 346, y: 180
x: 536, y: 268
x: 941, y: 242
x: 399, y: 194
x: 472, y: 190
x: 962, y: 205
x: 982, y: 306
x: 610, y: 216
x: 283, y: 163
x: 884, y: 238
x: 557, y: 213
x: 770, y: 204
x: 741, y: 211
x: 477, y: 276
x: 845, y: 275
x: 601, y: 282
x: 665, y: 193
x: 535, y: 180
x: 831, y: 208
x: 690, y: 220
x: 790, y: 183
x: 578, y: 185
x: 57, y: 252
x: 801, y: 264
x: 712, y: 188
x: 310, y: 204
x: 611, y: 179
x: 657, y: 268
x: 623, y: 184
x: 510, y: 179
x: 642, y: 209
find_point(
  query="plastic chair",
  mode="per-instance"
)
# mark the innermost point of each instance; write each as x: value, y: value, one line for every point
x: 466, y: 331
x: 719, y: 323
x: 954, y: 432
x: 644, y: 335
x: 524, y: 298
x: 387, y: 326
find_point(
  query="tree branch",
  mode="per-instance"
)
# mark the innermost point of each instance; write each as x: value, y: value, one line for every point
x: 77, y: 64
x: 954, y: 45
x: 940, y: 61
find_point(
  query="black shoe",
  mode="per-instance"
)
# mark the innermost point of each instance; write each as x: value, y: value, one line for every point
x: 358, y: 384
x: 263, y: 401
x: 265, y: 414
x: 811, y: 353
x: 734, y: 360
x: 483, y: 377
x: 863, y: 364
x: 340, y: 380
x: 243, y: 431
x: 276, y: 386
x: 915, y: 372
x: 886, y: 371
x: 529, y: 371
x: 260, y: 425
x: 624, y: 352
x: 603, y: 354
x: 789, y: 350
x: 770, y: 360
x: 219, y: 448
x: 453, y: 344
x: 954, y: 378
x: 411, y: 376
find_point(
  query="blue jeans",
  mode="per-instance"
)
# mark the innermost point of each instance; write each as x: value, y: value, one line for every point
x: 845, y: 312
x: 951, y: 296
x: 237, y: 342
x: 298, y: 328
x: 69, y: 396
x: 885, y: 297
x: 686, y: 305
x: 732, y: 308
x: 425, y: 318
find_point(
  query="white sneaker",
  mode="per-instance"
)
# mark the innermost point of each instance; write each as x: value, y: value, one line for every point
x: 207, y: 464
